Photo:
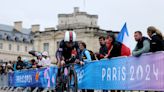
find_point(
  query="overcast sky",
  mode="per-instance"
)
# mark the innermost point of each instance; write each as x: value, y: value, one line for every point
x: 138, y: 14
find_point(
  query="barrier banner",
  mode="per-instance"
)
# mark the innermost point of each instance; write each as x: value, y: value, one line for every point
x: 44, y: 77
x: 124, y: 73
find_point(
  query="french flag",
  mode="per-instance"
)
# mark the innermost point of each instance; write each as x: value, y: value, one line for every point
x: 123, y: 37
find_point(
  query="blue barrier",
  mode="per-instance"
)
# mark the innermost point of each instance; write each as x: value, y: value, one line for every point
x: 122, y: 73
x: 44, y: 77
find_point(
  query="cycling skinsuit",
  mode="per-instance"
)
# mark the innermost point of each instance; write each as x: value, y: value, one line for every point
x: 69, y: 54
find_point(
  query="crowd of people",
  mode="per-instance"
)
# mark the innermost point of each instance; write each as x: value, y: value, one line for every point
x: 154, y: 43
x: 6, y: 67
x: 112, y: 48
x: 109, y: 46
x: 42, y: 60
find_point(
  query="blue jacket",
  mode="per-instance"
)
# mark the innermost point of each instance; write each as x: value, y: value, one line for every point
x: 85, y: 55
x: 15, y: 64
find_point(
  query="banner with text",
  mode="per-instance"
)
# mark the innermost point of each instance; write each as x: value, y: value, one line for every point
x: 44, y: 77
x: 124, y: 73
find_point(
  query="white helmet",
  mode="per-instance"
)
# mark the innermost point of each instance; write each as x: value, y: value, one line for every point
x: 45, y: 53
x: 70, y: 36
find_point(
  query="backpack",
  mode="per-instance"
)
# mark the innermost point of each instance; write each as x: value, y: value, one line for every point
x: 91, y: 54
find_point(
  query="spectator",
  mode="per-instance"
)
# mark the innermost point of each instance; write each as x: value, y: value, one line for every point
x: 103, y: 49
x: 27, y: 63
x: 20, y: 64
x: 46, y: 60
x: 14, y: 65
x: 33, y: 63
x: 40, y: 60
x: 143, y: 44
x: 9, y: 67
x: 38, y: 63
x: 85, y: 56
x: 156, y: 39
x: 114, y: 47
x: 4, y: 68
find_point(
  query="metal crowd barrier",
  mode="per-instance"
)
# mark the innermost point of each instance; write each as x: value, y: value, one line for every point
x: 4, y: 80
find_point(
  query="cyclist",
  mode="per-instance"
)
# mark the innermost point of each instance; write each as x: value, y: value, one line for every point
x: 68, y: 51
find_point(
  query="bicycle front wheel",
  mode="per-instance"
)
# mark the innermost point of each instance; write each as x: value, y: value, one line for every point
x: 72, y: 85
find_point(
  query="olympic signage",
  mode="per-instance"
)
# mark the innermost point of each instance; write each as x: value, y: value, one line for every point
x: 124, y: 73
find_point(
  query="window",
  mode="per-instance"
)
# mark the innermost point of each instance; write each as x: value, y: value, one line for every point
x: 32, y: 41
x: 10, y: 47
x: 16, y: 39
x: 24, y: 40
x: 1, y: 45
x: 46, y: 47
x: 25, y: 48
x: 18, y: 47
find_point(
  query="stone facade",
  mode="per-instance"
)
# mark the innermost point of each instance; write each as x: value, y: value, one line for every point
x: 77, y: 19
x: 15, y: 41
x: 7, y: 54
